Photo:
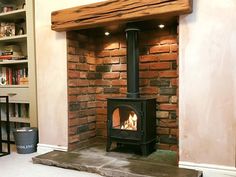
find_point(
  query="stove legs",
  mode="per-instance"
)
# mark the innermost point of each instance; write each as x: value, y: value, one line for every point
x: 108, y: 144
x: 144, y: 149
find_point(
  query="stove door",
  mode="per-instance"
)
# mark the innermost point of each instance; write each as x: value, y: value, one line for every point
x: 125, y: 123
x: 124, y: 118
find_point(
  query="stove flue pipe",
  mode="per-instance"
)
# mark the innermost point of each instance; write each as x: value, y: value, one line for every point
x: 132, y: 62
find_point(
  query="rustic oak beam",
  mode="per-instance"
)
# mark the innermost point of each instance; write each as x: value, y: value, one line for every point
x: 116, y: 11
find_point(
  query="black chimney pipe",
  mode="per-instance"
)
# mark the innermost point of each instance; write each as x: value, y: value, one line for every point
x: 132, y: 62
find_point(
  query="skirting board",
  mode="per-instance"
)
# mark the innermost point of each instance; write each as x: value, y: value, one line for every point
x: 44, y: 148
x: 213, y: 169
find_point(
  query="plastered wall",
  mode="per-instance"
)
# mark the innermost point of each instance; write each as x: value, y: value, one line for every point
x: 207, y: 71
x: 52, y: 73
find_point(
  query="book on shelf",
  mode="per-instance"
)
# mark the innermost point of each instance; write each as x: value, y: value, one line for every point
x: 3, y: 76
x: 20, y: 110
x: 13, y: 76
x: 17, y: 110
x: 6, y: 58
x: 11, y: 52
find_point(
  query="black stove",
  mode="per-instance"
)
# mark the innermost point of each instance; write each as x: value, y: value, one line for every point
x: 132, y: 120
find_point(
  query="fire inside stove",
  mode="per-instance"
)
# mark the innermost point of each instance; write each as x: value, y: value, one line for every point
x: 124, y: 118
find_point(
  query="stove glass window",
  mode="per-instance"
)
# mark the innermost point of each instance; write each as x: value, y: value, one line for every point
x: 124, y: 118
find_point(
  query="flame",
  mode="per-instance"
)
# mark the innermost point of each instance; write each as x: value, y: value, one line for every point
x: 131, y: 123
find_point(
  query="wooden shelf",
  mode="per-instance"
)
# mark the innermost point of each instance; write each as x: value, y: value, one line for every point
x: 17, y: 38
x: 14, y: 86
x: 20, y: 101
x: 116, y: 12
x: 6, y: 62
x: 12, y: 15
x: 18, y: 119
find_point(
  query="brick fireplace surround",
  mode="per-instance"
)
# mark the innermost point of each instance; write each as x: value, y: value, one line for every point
x: 97, y: 71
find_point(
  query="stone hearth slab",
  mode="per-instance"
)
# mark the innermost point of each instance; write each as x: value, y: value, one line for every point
x: 112, y: 164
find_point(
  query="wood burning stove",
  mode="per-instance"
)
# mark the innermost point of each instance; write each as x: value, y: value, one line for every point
x: 132, y: 120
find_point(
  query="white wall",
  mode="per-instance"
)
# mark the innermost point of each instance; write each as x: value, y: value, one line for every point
x: 52, y: 74
x: 207, y: 75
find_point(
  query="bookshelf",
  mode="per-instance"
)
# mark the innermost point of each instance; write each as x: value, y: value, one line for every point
x: 17, y: 62
x: 7, y: 62
x: 12, y: 15
x: 18, y: 38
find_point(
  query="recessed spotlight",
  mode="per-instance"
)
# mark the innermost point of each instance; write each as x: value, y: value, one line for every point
x: 107, y: 33
x: 161, y: 26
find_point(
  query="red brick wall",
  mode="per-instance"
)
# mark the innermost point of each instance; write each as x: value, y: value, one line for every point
x: 81, y: 91
x: 97, y: 70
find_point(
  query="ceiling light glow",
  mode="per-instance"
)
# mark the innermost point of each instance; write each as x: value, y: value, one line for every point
x: 107, y: 33
x: 161, y: 26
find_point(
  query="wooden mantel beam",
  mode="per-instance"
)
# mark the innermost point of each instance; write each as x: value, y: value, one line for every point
x: 116, y: 11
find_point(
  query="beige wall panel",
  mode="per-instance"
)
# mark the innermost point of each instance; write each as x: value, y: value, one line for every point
x: 207, y: 83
